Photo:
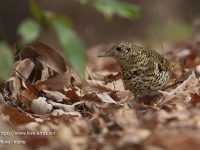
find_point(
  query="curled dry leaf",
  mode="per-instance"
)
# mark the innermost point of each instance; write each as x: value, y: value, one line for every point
x: 29, y: 94
x: 191, y: 85
x: 60, y: 112
x: 68, y: 108
x: 24, y: 99
x: 40, y: 86
x: 46, y: 55
x: 102, y: 101
x: 108, y: 78
x: 14, y: 86
x: 73, y: 96
x: 104, y: 83
x: 40, y: 106
x: 54, y: 95
x: 24, y: 68
x: 104, y: 97
x: 93, y: 86
x: 45, y: 74
x: 59, y: 82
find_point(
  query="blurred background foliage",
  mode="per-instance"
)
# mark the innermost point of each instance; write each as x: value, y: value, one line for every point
x: 30, y: 29
x: 6, y: 59
x: 76, y: 25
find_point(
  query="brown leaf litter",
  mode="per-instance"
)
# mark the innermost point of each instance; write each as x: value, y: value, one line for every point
x: 45, y: 95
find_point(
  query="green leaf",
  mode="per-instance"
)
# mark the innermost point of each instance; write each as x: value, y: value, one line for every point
x: 105, y: 8
x: 36, y: 10
x: 49, y: 15
x: 73, y: 47
x: 29, y: 30
x: 6, y: 60
x: 115, y: 7
x: 128, y: 11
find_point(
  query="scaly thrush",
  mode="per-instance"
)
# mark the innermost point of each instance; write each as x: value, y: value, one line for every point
x: 144, y: 71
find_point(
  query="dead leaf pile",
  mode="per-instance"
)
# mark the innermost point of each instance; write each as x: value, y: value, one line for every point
x: 43, y: 84
x: 51, y: 107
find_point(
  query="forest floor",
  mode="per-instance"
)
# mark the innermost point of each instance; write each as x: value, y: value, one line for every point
x: 46, y: 105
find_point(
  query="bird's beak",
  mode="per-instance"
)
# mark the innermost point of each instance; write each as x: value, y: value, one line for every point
x: 104, y: 54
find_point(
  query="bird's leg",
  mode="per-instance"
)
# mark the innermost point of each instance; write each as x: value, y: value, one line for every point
x: 135, y: 101
x: 136, y: 98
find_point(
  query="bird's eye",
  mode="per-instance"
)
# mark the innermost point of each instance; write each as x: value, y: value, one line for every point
x: 118, y: 48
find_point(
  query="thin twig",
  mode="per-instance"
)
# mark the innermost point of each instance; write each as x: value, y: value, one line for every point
x: 172, y: 85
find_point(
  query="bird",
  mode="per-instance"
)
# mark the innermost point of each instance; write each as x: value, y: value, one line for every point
x: 144, y: 71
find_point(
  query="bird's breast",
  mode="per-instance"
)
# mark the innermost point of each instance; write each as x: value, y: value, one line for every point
x: 137, y: 80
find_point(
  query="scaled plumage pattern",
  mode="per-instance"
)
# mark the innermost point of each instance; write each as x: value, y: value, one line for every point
x: 144, y: 71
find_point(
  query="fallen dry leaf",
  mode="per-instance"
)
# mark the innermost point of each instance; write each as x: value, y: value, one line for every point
x: 27, y: 95
x: 104, y: 97
x: 13, y: 86
x: 56, y: 96
x: 72, y: 95
x: 96, y: 113
x: 59, y: 82
x: 24, y: 68
x: 15, y: 115
x: 68, y: 108
x: 46, y: 55
x: 185, y: 89
x: 41, y: 106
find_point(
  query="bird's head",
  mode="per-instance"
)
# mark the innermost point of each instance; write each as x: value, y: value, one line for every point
x: 119, y: 51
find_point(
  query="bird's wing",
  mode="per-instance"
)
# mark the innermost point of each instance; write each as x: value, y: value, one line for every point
x: 155, y: 65
x: 150, y: 68
x: 162, y: 63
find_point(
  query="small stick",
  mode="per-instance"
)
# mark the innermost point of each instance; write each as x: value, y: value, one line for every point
x: 172, y: 85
